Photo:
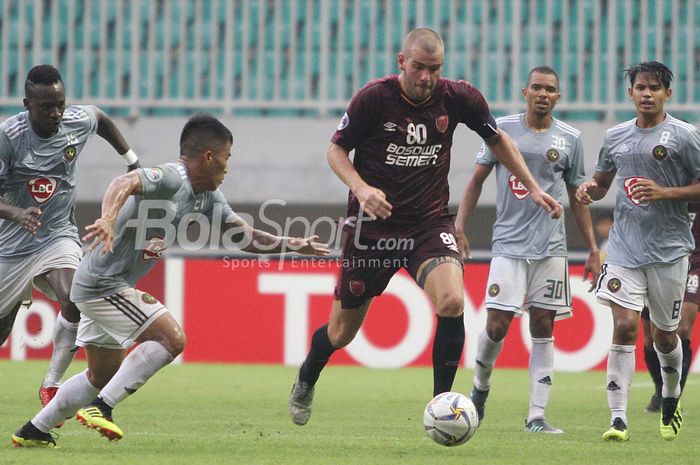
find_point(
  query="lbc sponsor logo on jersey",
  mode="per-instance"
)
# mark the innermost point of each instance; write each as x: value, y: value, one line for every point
x: 154, y: 249
x: 629, y: 184
x: 517, y: 188
x: 41, y: 189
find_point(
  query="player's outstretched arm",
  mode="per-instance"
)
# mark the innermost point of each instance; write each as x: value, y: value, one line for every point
x: 108, y: 130
x: 466, y: 207
x: 307, y: 246
x: 257, y: 241
x: 372, y: 200
x: 505, y: 151
x: 28, y: 218
x: 582, y: 215
x: 102, y: 230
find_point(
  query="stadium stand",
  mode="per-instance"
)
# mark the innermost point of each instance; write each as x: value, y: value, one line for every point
x: 307, y: 57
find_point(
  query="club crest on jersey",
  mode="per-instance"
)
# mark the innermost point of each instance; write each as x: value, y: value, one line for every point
x: 614, y: 285
x: 344, y: 121
x: 70, y: 152
x: 148, y: 299
x: 154, y: 249
x: 517, y: 188
x: 629, y: 188
x: 154, y: 174
x: 442, y: 122
x: 494, y: 289
x: 660, y: 152
x: 357, y: 288
x: 41, y: 189
x: 552, y: 155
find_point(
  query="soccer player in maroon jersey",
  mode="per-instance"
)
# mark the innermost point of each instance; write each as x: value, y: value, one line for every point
x: 401, y: 128
x: 689, y: 310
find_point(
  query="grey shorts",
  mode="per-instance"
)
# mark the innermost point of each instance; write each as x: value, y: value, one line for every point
x: 660, y: 287
x: 18, y: 275
x: 515, y: 285
x: 116, y: 321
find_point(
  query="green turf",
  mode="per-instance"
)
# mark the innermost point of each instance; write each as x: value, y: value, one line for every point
x: 222, y: 414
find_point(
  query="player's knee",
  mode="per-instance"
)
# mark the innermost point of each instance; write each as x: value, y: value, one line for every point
x: 665, y: 341
x: 625, y: 331
x: 685, y: 329
x: 340, y: 336
x: 541, y: 327
x: 496, y: 331
x: 497, y: 324
x: 450, y: 305
x: 342, y: 339
x: 176, y: 345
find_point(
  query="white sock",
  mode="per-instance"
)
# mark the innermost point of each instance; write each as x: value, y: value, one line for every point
x: 72, y: 395
x: 487, y: 352
x: 141, y: 363
x: 671, y: 370
x: 620, y: 370
x: 64, y: 350
x: 541, y: 375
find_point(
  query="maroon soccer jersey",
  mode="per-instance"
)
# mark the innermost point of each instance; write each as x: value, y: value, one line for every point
x: 404, y: 149
x: 694, y: 212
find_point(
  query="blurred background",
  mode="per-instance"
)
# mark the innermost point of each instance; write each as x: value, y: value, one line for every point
x: 280, y: 74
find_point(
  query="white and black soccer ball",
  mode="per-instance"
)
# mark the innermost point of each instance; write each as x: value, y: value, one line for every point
x: 450, y: 419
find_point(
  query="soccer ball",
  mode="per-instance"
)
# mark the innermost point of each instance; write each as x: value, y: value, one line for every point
x: 450, y: 419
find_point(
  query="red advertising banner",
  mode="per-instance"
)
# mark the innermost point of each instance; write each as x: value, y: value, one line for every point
x: 261, y: 310
x: 265, y: 311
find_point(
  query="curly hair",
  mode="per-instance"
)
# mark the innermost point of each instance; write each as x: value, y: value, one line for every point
x: 42, y: 74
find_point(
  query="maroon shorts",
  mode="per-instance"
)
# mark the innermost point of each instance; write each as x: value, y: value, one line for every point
x: 692, y: 287
x: 368, y: 265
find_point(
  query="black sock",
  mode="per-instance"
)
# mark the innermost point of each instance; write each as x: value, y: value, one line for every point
x: 687, y: 360
x: 7, y: 322
x: 321, y: 350
x: 104, y: 406
x: 447, y: 351
x: 654, y: 368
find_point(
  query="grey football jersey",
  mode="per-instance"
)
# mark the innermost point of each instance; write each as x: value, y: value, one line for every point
x: 36, y: 172
x: 146, y: 225
x: 658, y: 231
x: 555, y: 158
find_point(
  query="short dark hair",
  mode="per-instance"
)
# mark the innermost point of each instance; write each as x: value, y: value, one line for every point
x: 42, y: 74
x: 544, y: 69
x: 654, y: 68
x: 203, y: 132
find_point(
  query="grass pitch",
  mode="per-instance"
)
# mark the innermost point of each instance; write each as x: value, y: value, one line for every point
x: 223, y: 414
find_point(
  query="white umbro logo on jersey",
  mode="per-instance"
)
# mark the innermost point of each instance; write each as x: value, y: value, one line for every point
x: 390, y: 127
